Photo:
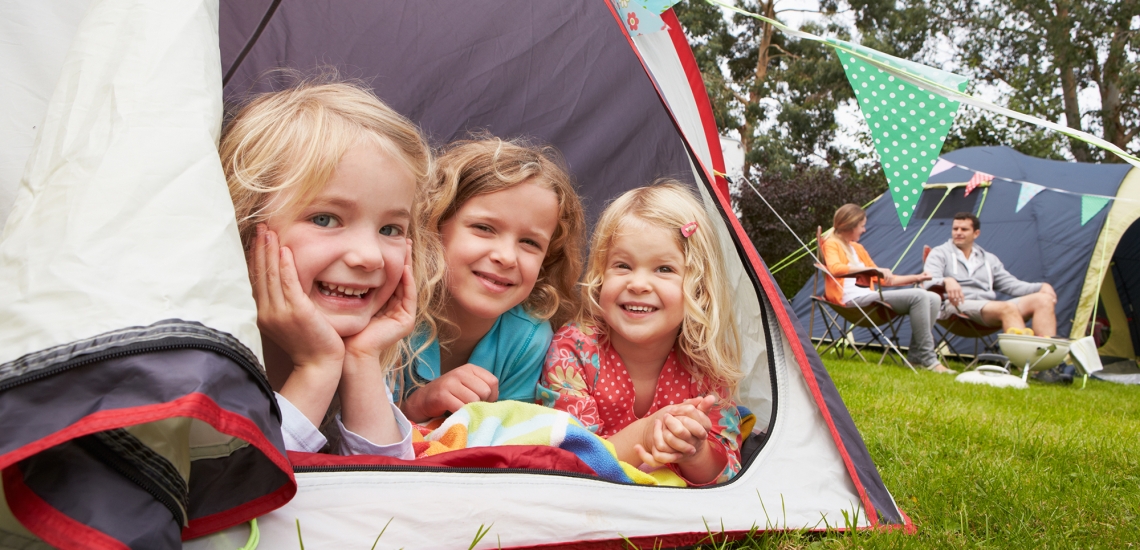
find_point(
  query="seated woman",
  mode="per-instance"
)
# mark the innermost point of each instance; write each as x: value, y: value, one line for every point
x: 843, y: 255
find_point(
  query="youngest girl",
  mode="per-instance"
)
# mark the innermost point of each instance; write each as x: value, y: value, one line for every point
x: 653, y: 358
x: 325, y: 180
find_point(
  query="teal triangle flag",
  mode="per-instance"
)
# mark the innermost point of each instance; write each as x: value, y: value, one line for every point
x: 908, y: 123
x: 1091, y: 206
x: 1028, y: 191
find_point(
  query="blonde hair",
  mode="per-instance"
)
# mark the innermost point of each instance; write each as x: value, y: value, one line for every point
x: 847, y: 217
x: 709, y: 337
x: 470, y: 168
x: 291, y: 141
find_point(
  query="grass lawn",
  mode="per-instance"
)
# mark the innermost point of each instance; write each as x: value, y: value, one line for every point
x: 978, y: 467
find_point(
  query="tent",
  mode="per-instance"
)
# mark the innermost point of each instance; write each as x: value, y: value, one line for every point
x: 134, y: 410
x: 1043, y: 241
x: 624, y: 108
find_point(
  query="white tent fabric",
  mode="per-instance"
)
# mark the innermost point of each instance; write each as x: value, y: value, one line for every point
x: 127, y: 118
x: 37, y: 38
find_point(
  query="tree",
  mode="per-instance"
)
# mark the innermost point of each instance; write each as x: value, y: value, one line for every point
x: 780, y: 95
x: 1046, y: 52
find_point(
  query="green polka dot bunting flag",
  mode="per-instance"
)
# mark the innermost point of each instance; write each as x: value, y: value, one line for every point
x: 909, y: 126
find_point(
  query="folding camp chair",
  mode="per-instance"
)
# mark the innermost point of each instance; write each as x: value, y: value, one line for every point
x: 841, y: 320
x: 961, y: 325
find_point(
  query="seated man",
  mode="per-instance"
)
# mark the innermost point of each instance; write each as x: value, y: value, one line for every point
x: 971, y: 276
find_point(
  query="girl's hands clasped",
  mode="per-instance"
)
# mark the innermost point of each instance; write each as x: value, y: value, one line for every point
x: 676, y: 433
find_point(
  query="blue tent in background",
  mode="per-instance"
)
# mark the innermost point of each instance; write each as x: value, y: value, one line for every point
x: 1044, y: 241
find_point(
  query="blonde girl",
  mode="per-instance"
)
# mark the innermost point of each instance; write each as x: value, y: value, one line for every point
x: 326, y: 180
x: 510, y: 230
x: 654, y: 356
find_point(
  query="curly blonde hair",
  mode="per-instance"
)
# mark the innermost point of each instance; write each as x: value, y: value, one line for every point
x: 470, y: 168
x: 291, y: 141
x: 709, y: 336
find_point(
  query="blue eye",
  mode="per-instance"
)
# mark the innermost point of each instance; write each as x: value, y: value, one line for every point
x: 323, y: 220
x: 391, y: 231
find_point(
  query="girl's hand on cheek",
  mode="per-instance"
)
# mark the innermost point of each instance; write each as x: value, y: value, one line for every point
x: 452, y: 390
x: 284, y: 311
x: 393, y: 322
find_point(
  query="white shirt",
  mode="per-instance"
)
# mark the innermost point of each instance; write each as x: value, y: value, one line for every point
x: 301, y: 435
x: 973, y: 263
x: 851, y: 290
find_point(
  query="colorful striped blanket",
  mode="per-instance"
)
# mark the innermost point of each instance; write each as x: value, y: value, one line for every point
x: 518, y: 423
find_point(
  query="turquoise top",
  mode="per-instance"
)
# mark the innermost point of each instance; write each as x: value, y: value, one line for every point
x: 513, y: 350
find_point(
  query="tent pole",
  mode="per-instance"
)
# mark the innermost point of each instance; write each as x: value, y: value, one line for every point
x: 1091, y: 324
x: 924, y: 224
x: 985, y: 192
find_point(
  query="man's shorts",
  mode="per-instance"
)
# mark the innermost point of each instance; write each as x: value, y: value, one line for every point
x: 969, y: 308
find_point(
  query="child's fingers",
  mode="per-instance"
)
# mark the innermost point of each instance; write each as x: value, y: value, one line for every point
x: 645, y: 456
x: 677, y: 436
x: 489, y: 379
x: 695, y: 429
x: 659, y: 436
x: 451, y: 403
x: 405, y: 295
x: 290, y: 284
x: 661, y: 451
x: 273, y: 270
x: 462, y: 395
x: 257, y: 266
x: 706, y: 403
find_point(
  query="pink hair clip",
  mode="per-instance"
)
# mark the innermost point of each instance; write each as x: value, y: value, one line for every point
x: 688, y: 229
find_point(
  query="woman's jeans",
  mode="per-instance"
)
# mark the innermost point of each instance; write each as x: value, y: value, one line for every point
x: 923, y: 307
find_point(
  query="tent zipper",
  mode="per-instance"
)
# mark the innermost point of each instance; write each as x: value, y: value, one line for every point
x: 255, y: 372
x: 112, y: 460
x: 463, y: 470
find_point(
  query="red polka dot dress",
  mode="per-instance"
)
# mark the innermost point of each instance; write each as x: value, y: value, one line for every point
x: 588, y: 379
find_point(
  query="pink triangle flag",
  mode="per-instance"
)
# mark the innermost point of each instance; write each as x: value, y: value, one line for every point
x: 978, y: 179
x: 941, y: 166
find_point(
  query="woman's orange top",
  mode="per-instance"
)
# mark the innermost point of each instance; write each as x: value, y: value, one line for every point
x: 835, y: 257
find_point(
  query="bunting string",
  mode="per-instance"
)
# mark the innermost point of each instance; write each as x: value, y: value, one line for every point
x: 924, y: 76
x: 1044, y: 188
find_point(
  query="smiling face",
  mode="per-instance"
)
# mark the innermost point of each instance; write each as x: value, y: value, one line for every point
x: 641, y: 297
x: 349, y: 243
x: 494, y: 246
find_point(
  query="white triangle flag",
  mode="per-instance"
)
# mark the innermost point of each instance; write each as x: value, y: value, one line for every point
x: 1028, y: 191
x: 941, y: 166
